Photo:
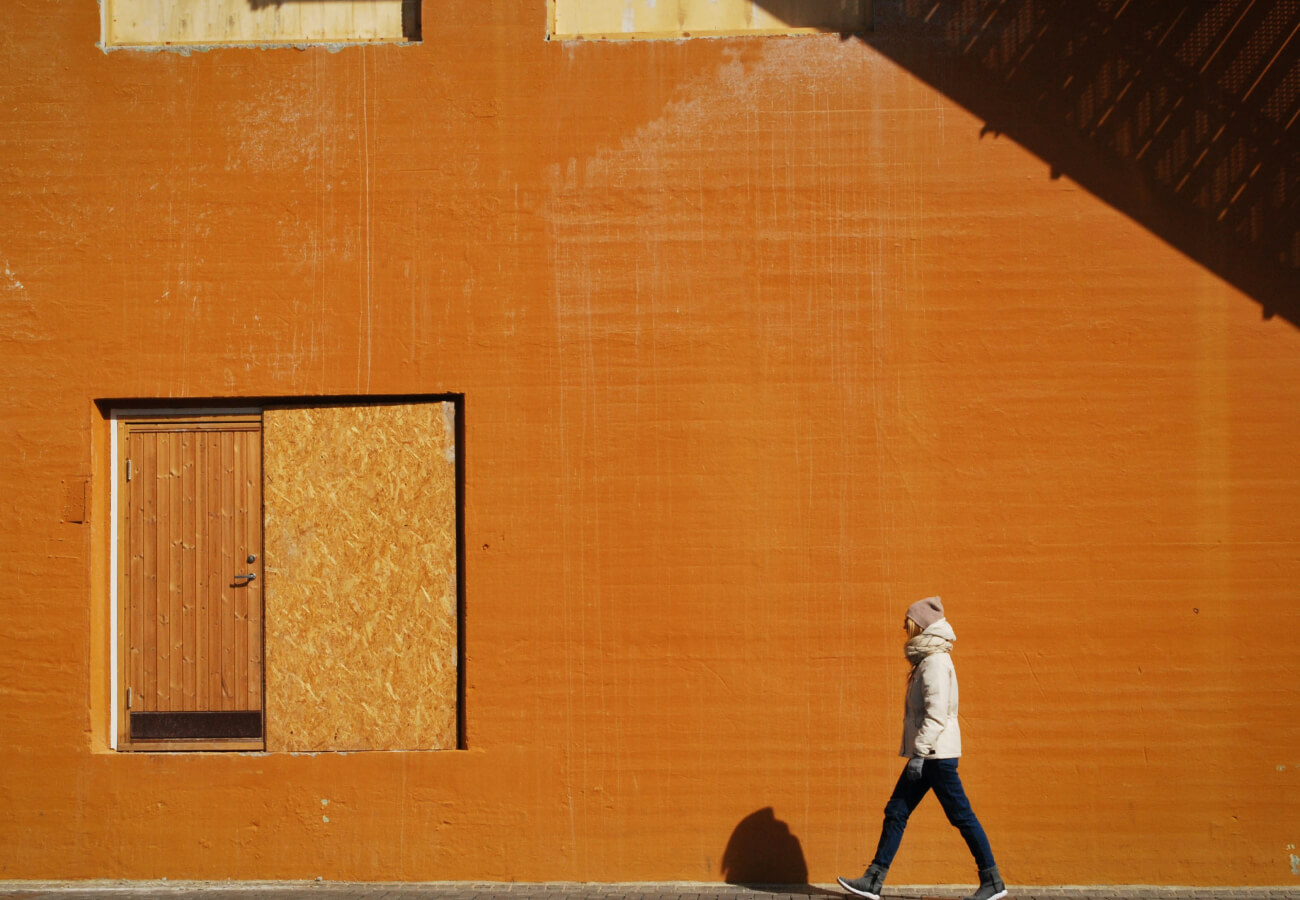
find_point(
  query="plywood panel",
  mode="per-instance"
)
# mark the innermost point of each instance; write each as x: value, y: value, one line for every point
x: 152, y: 22
x: 642, y: 19
x: 361, y: 614
x: 311, y: 19
x: 133, y: 22
x: 338, y: 18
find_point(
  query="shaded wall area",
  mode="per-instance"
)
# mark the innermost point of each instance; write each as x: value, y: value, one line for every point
x: 1180, y: 115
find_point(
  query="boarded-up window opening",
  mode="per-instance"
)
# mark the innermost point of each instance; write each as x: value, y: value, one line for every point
x: 152, y: 23
x: 674, y: 19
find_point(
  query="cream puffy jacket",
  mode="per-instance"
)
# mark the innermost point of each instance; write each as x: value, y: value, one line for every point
x: 930, y: 727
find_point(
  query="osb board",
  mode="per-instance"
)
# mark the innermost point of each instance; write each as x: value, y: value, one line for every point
x: 361, y: 634
x: 644, y: 19
x: 151, y: 22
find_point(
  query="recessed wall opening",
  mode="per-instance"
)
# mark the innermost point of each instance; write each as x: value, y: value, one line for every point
x: 287, y: 575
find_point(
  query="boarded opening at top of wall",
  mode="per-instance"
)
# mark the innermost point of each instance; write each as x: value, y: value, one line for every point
x: 672, y: 19
x: 199, y: 23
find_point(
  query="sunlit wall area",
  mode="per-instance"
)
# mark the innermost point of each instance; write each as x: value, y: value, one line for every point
x: 665, y: 376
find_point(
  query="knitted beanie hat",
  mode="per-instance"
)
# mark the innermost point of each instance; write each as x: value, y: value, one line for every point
x: 926, y: 612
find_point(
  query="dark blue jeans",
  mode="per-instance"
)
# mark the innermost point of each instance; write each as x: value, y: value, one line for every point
x: 940, y: 776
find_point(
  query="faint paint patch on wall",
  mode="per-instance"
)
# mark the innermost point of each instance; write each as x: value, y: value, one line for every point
x: 361, y: 606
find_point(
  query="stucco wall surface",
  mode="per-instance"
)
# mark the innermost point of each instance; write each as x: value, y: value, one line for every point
x: 759, y: 340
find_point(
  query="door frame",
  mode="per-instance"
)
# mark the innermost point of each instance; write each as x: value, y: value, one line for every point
x: 117, y: 463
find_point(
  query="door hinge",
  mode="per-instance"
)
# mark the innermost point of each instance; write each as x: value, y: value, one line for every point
x: 128, y: 470
x: 128, y: 698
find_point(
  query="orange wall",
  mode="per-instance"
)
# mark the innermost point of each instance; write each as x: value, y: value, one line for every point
x: 760, y: 341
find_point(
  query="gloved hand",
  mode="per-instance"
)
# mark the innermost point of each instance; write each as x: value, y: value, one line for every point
x: 913, y: 770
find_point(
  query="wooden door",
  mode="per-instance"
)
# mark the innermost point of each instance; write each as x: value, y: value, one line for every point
x: 190, y: 583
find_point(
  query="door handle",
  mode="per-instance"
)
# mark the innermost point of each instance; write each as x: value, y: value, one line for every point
x: 251, y: 576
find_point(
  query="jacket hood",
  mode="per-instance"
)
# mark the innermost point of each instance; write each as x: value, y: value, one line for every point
x: 941, y: 629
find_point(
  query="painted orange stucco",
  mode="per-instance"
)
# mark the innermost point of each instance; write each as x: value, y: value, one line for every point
x: 759, y: 341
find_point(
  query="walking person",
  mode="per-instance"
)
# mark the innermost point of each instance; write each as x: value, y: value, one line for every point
x: 932, y: 746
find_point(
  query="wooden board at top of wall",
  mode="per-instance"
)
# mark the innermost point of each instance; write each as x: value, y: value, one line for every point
x: 188, y: 22
x: 668, y: 19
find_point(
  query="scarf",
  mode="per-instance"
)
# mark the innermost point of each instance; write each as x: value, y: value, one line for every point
x: 921, y: 646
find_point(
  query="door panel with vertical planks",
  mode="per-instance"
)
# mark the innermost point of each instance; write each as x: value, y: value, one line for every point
x: 190, y: 594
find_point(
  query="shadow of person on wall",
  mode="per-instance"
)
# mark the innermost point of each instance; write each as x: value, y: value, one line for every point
x: 762, y: 851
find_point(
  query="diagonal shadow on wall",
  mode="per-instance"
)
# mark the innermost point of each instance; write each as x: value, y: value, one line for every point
x: 1184, y: 116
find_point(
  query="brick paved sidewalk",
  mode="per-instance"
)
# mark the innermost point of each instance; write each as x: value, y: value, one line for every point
x: 459, y: 890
